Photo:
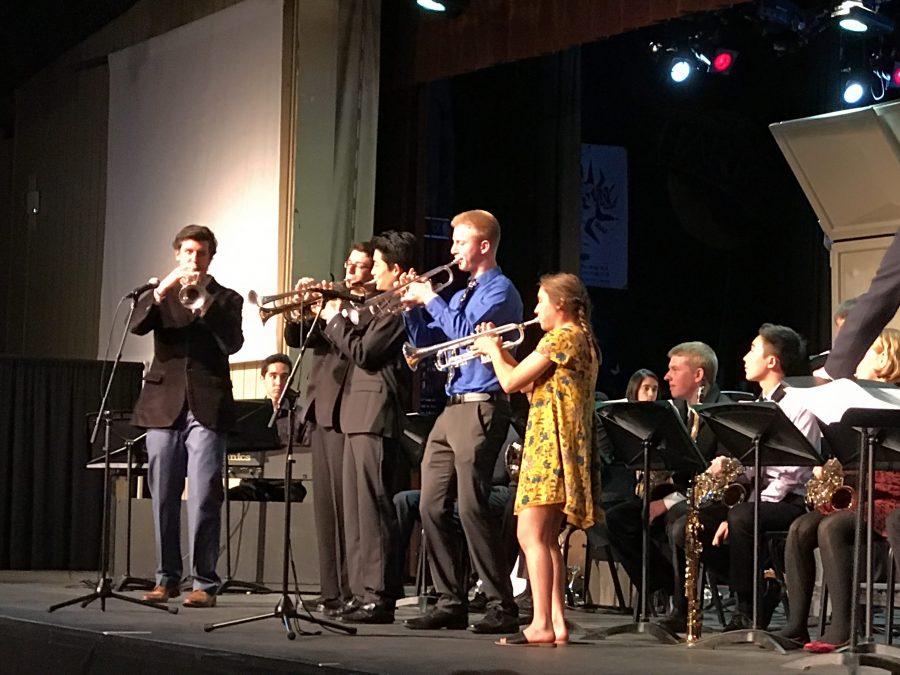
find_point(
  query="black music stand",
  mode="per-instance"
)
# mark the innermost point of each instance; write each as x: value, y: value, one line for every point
x: 762, y: 433
x: 878, y: 432
x: 285, y: 610
x: 645, y: 436
x: 132, y: 439
x: 104, y: 587
x: 251, y: 433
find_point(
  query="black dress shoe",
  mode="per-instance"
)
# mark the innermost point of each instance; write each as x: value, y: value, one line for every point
x: 674, y: 623
x: 370, y: 613
x: 770, y: 600
x: 478, y: 603
x: 344, y: 608
x: 497, y: 620
x: 439, y: 618
x: 739, y: 621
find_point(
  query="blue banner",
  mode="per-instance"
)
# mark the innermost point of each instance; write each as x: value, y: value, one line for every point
x: 604, y: 216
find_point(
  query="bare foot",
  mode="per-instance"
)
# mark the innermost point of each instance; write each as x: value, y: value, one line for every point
x: 560, y: 631
x: 539, y: 635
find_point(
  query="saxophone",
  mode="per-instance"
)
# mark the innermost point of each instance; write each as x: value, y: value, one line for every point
x: 827, y: 492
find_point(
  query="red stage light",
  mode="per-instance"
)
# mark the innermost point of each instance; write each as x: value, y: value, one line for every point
x: 895, y: 75
x: 723, y: 60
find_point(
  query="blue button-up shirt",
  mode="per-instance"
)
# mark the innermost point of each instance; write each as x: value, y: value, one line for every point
x: 493, y: 299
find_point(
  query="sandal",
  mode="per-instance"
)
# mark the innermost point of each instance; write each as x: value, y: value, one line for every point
x: 521, y: 640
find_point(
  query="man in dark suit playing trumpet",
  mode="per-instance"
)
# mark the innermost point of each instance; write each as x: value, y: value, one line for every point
x: 375, y: 389
x: 187, y: 407
x: 322, y: 414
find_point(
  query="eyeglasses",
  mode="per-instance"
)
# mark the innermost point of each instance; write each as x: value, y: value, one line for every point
x: 350, y: 265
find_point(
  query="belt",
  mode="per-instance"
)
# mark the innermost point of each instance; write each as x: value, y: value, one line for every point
x: 477, y: 397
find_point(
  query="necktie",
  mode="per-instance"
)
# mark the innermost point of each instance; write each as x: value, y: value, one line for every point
x: 467, y: 292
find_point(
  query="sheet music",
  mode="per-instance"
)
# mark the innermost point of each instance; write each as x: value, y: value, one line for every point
x: 830, y: 401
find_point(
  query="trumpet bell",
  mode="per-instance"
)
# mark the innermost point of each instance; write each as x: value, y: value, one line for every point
x: 193, y: 297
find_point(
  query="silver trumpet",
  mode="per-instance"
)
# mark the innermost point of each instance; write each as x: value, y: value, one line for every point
x: 192, y: 295
x: 391, y: 301
x: 454, y: 353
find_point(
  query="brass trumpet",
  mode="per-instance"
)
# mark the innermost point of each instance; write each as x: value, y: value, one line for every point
x: 454, y: 353
x: 340, y: 291
x: 391, y: 301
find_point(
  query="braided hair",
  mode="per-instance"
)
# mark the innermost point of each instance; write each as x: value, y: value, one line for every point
x: 567, y: 290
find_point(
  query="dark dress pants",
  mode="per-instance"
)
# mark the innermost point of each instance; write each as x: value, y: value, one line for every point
x: 327, y: 449
x: 464, y: 445
x: 773, y: 516
x: 190, y: 449
x: 624, y: 524
x: 370, y: 526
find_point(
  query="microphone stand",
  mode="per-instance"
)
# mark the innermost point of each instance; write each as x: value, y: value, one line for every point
x: 285, y: 609
x: 104, y: 587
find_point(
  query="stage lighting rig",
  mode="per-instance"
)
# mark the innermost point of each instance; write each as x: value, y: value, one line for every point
x: 722, y: 61
x: 861, y: 16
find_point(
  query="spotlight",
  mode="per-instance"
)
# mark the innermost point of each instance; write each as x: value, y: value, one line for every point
x: 857, y: 87
x: 681, y: 69
x: 722, y: 61
x: 445, y: 7
x: 860, y: 16
x: 853, y: 91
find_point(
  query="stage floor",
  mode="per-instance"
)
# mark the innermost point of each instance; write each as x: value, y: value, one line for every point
x: 133, y: 639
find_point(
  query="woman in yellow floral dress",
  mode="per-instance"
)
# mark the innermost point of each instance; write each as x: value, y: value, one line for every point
x: 555, y: 476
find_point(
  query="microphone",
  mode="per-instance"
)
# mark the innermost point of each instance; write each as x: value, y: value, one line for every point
x: 152, y: 282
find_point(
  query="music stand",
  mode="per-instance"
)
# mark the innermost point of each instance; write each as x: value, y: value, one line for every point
x: 285, y: 610
x: 762, y: 433
x: 878, y: 432
x: 647, y: 435
x: 251, y: 433
x: 132, y: 439
x: 104, y: 588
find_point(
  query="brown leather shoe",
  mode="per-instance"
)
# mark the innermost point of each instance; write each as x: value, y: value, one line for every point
x: 162, y: 594
x: 199, y: 598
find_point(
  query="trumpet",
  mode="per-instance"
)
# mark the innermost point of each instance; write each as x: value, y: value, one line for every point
x: 340, y: 292
x: 192, y: 295
x: 391, y: 301
x: 453, y: 353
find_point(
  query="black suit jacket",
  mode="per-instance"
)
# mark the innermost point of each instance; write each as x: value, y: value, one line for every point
x: 869, y: 316
x: 706, y: 439
x: 377, y: 387
x: 327, y: 374
x: 190, y: 359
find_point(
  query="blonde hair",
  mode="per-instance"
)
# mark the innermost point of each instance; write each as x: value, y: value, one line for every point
x: 566, y: 290
x: 484, y: 224
x: 700, y: 355
x: 888, y: 343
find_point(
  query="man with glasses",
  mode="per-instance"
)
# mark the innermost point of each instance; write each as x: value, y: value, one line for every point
x: 324, y: 393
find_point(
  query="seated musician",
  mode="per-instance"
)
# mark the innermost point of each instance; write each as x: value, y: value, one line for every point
x: 775, y: 352
x: 692, y: 366
x: 832, y: 530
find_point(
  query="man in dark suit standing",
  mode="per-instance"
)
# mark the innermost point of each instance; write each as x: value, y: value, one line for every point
x: 186, y: 406
x: 374, y: 399
x: 869, y: 316
x: 322, y: 414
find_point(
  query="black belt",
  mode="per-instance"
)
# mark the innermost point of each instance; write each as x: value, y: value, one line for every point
x: 477, y: 397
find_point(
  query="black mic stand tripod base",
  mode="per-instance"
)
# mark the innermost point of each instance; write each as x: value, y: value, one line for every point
x: 285, y: 610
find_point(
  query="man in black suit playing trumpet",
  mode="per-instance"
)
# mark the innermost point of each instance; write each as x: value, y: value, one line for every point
x: 374, y: 399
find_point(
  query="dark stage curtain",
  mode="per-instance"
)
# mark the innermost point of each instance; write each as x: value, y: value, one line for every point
x: 50, y: 504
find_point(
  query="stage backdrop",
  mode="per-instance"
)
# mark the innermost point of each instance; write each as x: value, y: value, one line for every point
x: 194, y: 124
